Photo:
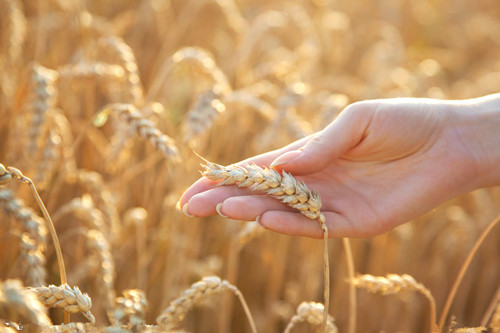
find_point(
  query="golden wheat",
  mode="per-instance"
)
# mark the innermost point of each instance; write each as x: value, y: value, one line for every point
x: 199, y: 291
x: 145, y: 128
x: 393, y: 284
x: 33, y: 240
x: 64, y: 297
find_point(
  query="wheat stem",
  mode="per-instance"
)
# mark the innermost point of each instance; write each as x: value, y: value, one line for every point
x: 352, y: 288
x: 284, y: 188
x: 463, y: 269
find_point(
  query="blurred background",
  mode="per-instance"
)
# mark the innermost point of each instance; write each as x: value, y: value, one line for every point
x: 228, y: 79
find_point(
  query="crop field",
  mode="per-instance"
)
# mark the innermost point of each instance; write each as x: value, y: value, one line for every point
x: 105, y: 106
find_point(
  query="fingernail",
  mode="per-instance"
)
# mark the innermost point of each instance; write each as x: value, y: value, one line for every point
x: 185, y: 210
x: 286, y: 158
x: 218, y: 209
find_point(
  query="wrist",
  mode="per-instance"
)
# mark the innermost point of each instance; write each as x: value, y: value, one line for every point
x: 480, y: 131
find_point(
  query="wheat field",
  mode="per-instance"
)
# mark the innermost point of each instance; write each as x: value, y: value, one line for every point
x: 105, y: 105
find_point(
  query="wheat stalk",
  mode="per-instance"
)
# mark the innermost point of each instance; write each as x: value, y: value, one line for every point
x: 64, y: 297
x: 18, y: 304
x: 284, y: 188
x: 393, y: 284
x: 312, y: 313
x: 193, y: 296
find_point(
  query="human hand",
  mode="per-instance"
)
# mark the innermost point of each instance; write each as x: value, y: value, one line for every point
x: 379, y: 164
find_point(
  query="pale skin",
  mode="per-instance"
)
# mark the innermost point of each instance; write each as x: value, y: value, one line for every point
x: 379, y: 164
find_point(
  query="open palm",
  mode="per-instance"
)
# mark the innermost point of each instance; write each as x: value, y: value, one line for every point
x: 379, y: 164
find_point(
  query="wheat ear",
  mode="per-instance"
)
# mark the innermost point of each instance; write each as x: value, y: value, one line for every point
x: 18, y: 304
x: 6, y: 174
x: 193, y: 296
x: 393, y: 284
x: 64, y: 297
x: 94, y: 184
x: 117, y: 51
x: 145, y: 128
x: 284, y: 188
x: 312, y: 313
x: 101, y: 250
x: 33, y: 240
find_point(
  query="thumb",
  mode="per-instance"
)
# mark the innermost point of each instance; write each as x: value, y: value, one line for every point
x: 324, y: 147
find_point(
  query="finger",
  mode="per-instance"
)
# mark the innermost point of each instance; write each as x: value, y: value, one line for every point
x: 322, y: 148
x: 204, y: 203
x: 201, y: 185
x: 265, y: 159
x: 249, y: 207
x: 292, y: 223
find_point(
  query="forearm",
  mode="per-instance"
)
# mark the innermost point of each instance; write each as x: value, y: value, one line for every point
x: 481, y: 134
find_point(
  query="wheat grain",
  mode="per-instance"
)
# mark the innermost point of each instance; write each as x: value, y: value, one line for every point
x: 199, y: 291
x: 17, y: 304
x: 64, y: 297
x: 312, y: 313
